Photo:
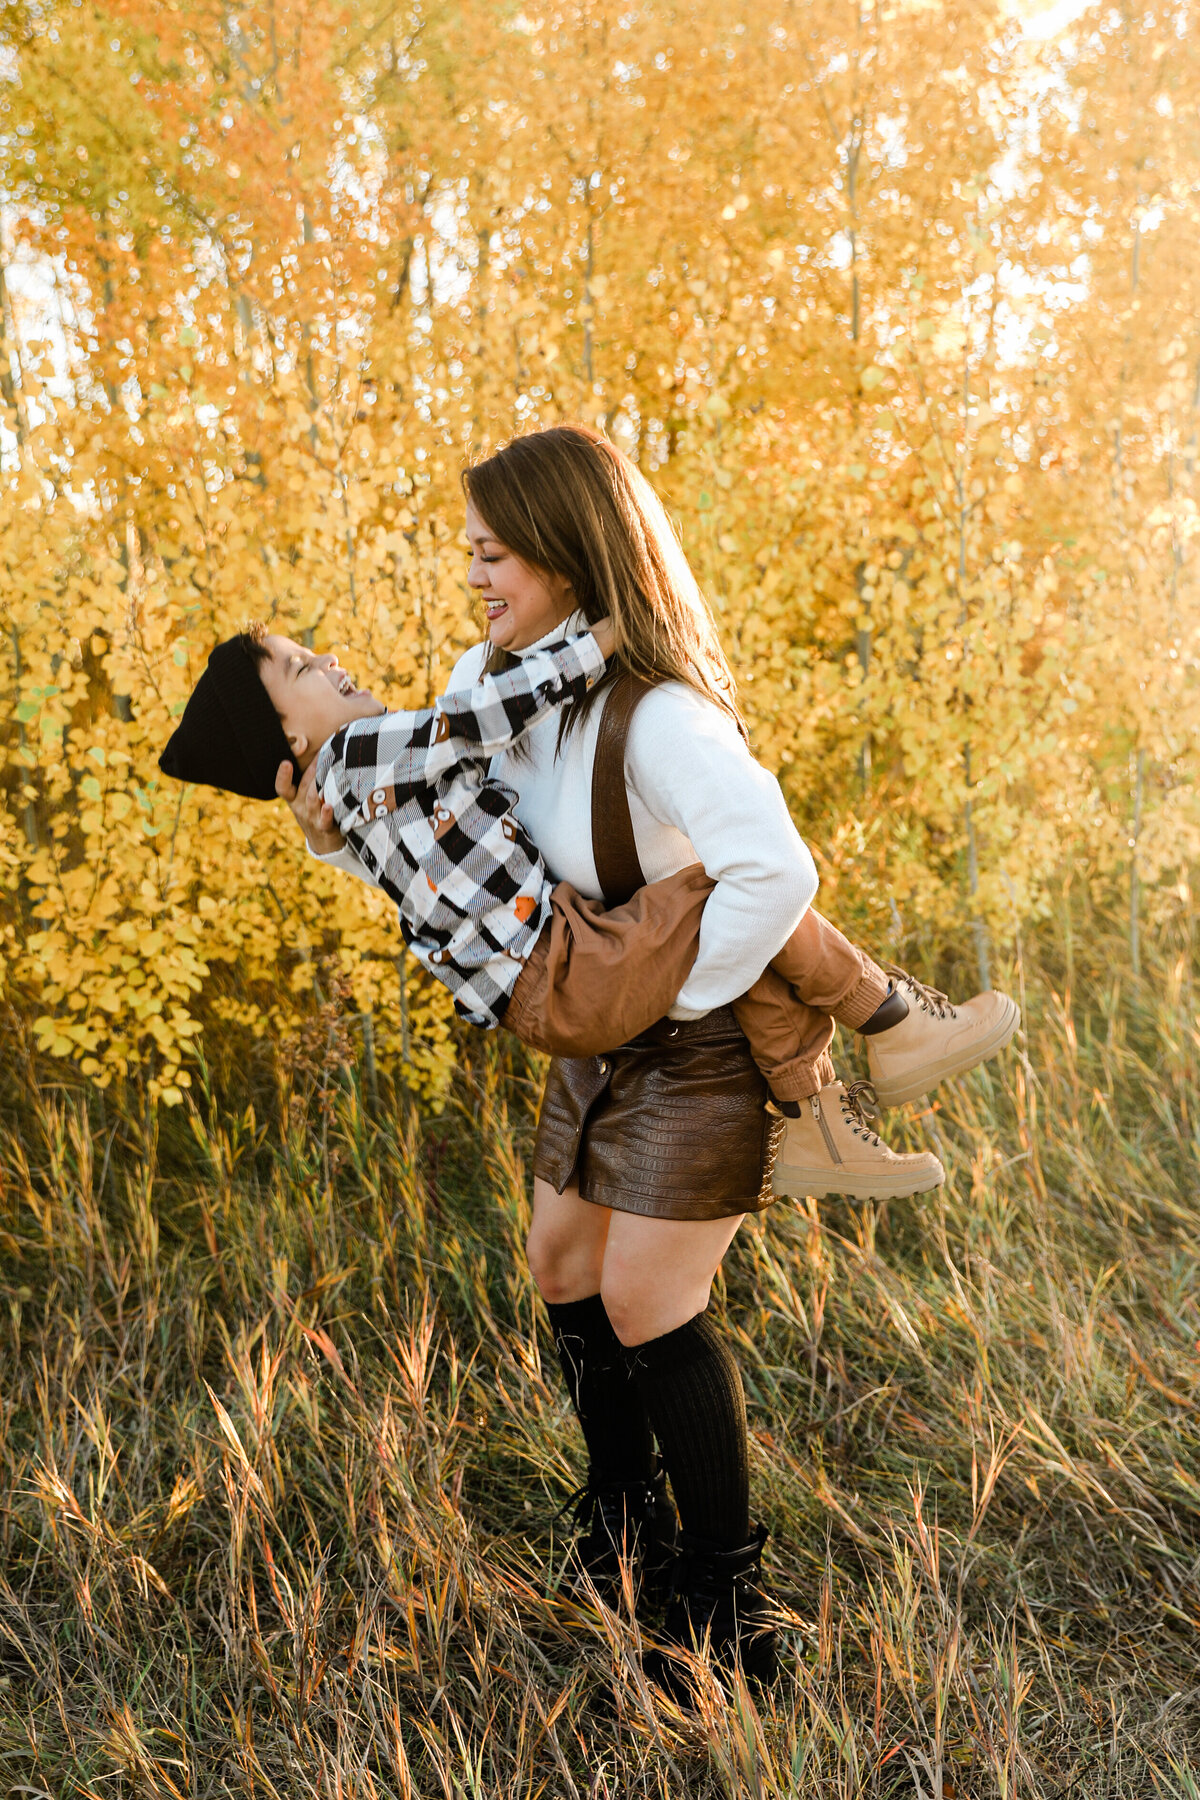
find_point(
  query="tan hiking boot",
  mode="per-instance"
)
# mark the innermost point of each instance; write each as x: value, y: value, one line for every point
x: 936, y: 1040
x: 831, y: 1149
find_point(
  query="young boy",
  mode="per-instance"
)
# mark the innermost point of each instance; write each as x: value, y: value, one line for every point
x: 410, y: 792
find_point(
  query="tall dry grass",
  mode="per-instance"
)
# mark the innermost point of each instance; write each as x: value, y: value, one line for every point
x: 282, y: 1449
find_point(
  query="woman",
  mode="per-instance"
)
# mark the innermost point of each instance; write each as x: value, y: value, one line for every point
x: 647, y: 1159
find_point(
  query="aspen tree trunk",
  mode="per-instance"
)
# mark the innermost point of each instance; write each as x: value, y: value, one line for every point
x: 29, y: 813
x: 10, y: 384
x: 1139, y: 771
x: 367, y: 1022
x: 405, y: 1036
x: 14, y: 400
x: 1135, y: 943
x: 862, y: 640
x: 979, y: 930
x: 862, y: 645
x: 589, y: 269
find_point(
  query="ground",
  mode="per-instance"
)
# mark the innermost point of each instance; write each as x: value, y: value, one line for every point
x: 283, y: 1444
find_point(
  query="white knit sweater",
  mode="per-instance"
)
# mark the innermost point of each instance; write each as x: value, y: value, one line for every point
x: 695, y: 795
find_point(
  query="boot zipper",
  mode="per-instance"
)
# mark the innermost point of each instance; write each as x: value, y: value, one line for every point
x: 818, y: 1115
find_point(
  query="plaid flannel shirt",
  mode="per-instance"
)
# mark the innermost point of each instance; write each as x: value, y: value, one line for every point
x: 410, y: 792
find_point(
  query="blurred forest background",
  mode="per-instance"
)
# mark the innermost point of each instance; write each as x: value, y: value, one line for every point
x: 898, y: 304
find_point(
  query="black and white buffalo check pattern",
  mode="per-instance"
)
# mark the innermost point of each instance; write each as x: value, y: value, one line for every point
x: 410, y: 792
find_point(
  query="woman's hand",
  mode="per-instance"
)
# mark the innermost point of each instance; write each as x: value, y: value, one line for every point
x: 312, y: 815
x: 602, y: 631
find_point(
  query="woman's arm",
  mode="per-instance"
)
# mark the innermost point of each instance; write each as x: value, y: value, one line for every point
x: 687, y: 764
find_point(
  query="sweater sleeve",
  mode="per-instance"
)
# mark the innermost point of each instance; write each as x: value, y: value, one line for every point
x: 687, y: 763
x: 346, y: 860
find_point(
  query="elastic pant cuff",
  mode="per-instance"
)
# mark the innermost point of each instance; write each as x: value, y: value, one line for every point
x: 799, y: 1080
x: 870, y: 992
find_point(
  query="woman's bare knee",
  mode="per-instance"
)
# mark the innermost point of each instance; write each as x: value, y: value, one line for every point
x: 658, y: 1273
x: 565, y: 1246
x: 638, y: 1313
x: 560, y: 1273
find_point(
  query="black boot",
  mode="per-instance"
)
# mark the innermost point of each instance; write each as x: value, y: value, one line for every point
x: 718, y: 1593
x: 628, y: 1519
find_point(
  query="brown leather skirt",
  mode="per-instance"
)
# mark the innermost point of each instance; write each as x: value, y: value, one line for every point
x: 672, y: 1125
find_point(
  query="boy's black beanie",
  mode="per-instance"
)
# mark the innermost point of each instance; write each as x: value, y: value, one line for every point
x: 229, y: 736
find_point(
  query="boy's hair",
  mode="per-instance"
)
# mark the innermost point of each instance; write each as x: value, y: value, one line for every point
x: 253, y: 639
x: 230, y: 736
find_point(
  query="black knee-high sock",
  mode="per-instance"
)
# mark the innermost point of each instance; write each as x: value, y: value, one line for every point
x: 692, y: 1388
x: 611, y: 1410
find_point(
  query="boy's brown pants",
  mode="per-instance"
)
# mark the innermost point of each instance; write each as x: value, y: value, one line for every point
x: 598, y: 976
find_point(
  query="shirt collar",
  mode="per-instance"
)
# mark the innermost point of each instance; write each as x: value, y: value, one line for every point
x: 570, y: 627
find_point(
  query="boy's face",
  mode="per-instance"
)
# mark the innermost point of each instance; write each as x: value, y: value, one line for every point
x: 311, y: 694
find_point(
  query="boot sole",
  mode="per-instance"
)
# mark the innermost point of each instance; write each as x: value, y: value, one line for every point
x: 794, y: 1183
x: 915, y: 1087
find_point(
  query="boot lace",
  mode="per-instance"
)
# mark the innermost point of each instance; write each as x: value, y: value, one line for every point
x: 614, y: 1522
x: 860, y: 1104
x: 929, y: 999
x: 606, y: 1515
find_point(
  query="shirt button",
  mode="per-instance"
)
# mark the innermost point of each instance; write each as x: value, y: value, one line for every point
x: 603, y: 1066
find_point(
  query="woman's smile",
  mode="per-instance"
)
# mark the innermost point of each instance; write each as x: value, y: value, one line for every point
x: 521, y: 603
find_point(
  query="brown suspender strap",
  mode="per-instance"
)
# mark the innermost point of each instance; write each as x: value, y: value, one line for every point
x: 617, y: 867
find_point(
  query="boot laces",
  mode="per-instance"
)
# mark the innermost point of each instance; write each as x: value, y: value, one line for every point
x: 860, y: 1104
x: 929, y: 999
x: 617, y: 1511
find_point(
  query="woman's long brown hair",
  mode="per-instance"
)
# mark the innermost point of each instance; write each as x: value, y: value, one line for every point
x: 569, y: 503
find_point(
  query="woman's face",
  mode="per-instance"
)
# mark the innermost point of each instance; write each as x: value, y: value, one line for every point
x: 522, y: 604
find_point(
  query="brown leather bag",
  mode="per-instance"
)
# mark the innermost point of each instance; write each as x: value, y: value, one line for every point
x: 613, y: 846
